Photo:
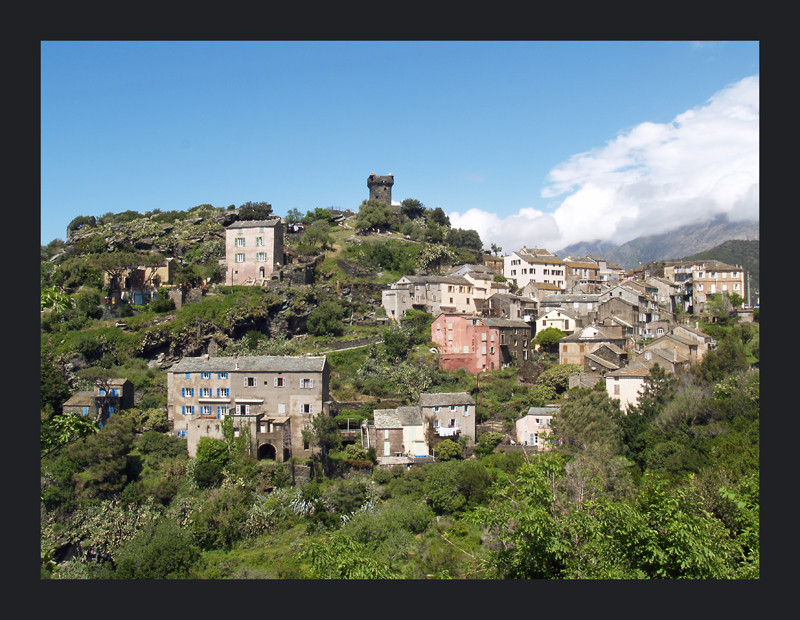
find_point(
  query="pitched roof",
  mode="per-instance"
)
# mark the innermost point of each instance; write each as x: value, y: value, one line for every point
x: 251, y: 363
x: 80, y: 399
x: 386, y: 418
x: 543, y: 410
x: 500, y: 322
x: 581, y: 263
x: 254, y: 223
x: 671, y: 355
x: 436, y: 279
x: 409, y: 416
x: 570, y: 297
x: 568, y: 313
x: 397, y: 418
x: 599, y: 360
x: 434, y: 399
x: 634, y: 369
x: 592, y: 332
x: 552, y: 286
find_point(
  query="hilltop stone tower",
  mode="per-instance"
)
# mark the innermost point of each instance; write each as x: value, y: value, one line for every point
x: 380, y: 188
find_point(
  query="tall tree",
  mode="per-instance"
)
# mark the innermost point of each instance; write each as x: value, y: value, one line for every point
x: 323, y: 434
x: 375, y: 214
x: 412, y: 208
x: 255, y: 211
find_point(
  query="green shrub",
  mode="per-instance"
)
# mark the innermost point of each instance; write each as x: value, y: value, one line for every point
x: 162, y: 551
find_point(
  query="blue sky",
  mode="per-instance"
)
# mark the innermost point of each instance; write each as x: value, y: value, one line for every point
x: 541, y: 144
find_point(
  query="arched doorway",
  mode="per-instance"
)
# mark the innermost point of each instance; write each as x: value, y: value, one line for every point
x: 266, y: 451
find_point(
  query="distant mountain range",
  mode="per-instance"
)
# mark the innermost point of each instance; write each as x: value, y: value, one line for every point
x: 684, y: 242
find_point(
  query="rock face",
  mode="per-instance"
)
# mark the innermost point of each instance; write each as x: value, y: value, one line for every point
x: 145, y: 234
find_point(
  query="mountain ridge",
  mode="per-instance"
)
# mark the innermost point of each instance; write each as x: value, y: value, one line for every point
x: 684, y: 241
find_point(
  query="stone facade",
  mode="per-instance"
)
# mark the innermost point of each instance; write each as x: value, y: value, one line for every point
x: 107, y: 398
x: 582, y: 274
x: 450, y: 413
x: 701, y: 278
x: 253, y: 251
x: 407, y: 434
x: 139, y: 285
x: 432, y: 294
x: 380, y: 188
x: 573, y: 348
x: 276, y: 396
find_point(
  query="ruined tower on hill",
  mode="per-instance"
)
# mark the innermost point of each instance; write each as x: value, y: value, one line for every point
x: 380, y: 188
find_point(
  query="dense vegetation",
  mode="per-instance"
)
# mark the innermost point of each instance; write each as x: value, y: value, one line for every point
x: 670, y: 490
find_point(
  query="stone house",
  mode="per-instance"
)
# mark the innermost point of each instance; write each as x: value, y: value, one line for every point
x: 399, y: 435
x: 698, y: 279
x: 253, y: 251
x: 509, y: 306
x: 484, y: 286
x: 626, y: 383
x: 409, y: 434
x: 478, y: 344
x: 668, y: 294
x: 559, y: 318
x: 669, y: 359
x: 604, y: 359
x: 534, y: 265
x: 582, y: 274
x: 687, y: 342
x: 583, y: 306
x: 573, y: 348
x: 607, y: 274
x: 139, y: 285
x: 634, y: 302
x: 452, y: 414
x: 276, y: 397
x: 538, y: 290
x: 107, y: 398
x: 532, y: 428
x: 432, y: 294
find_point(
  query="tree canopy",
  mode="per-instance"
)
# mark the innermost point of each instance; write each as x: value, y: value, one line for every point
x: 255, y: 210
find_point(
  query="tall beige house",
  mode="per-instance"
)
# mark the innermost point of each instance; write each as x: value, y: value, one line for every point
x: 276, y: 396
x: 253, y: 251
x: 703, y: 278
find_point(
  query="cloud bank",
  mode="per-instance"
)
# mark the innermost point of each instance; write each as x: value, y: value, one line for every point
x: 649, y: 180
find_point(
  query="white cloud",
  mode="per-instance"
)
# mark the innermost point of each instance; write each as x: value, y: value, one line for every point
x: 649, y: 180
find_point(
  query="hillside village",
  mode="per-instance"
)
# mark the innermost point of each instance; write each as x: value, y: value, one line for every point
x: 524, y: 313
x: 617, y: 325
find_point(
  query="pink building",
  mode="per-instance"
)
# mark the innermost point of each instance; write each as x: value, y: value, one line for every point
x: 479, y: 344
x: 253, y: 250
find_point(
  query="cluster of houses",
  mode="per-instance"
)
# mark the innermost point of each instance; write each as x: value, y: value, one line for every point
x: 619, y: 324
x: 272, y: 399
